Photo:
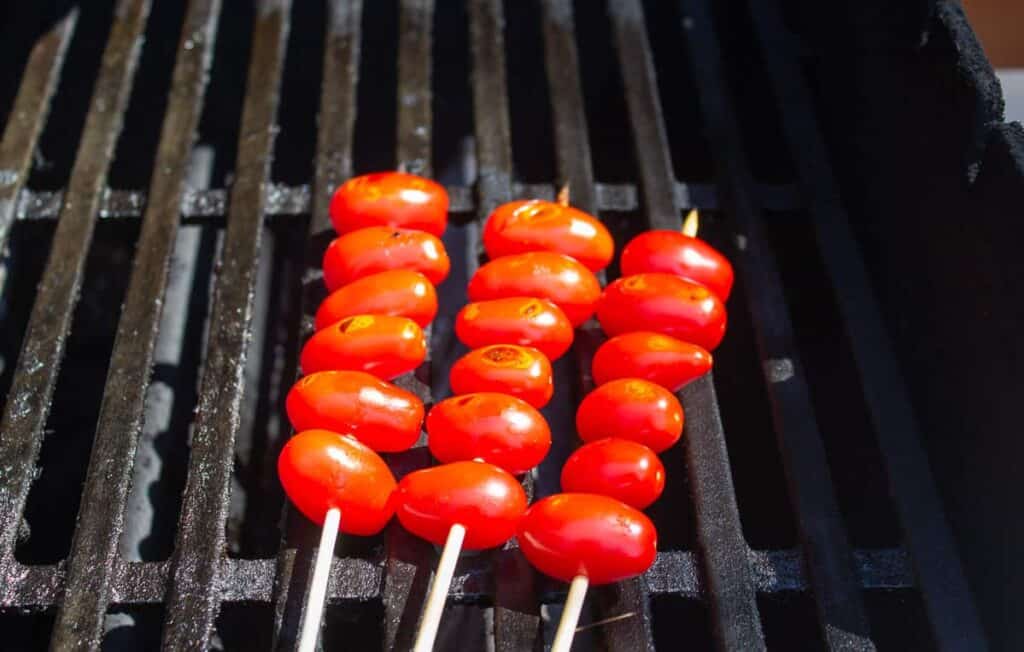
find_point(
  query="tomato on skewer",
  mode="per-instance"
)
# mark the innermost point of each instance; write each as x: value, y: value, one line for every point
x: 634, y: 409
x: 382, y: 345
x: 525, y: 321
x: 675, y: 253
x: 658, y: 358
x: 398, y: 292
x: 539, y: 225
x: 520, y: 371
x: 619, y: 468
x: 380, y: 248
x: 390, y: 199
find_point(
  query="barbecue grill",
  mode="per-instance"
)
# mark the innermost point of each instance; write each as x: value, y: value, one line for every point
x: 164, y: 179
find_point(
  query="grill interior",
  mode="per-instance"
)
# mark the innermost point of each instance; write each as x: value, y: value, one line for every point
x: 185, y: 162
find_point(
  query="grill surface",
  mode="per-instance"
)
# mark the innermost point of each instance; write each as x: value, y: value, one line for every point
x: 707, y: 578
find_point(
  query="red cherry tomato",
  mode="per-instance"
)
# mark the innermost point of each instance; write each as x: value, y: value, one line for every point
x: 390, y: 199
x: 665, y: 304
x: 382, y: 416
x: 607, y: 541
x: 481, y: 497
x: 520, y: 371
x: 517, y: 320
x: 633, y: 409
x: 618, y: 468
x: 672, y: 252
x: 496, y: 428
x: 321, y: 470
x: 382, y: 345
x: 538, y: 225
x: 399, y: 292
x: 658, y: 358
x: 378, y: 249
x: 544, y: 274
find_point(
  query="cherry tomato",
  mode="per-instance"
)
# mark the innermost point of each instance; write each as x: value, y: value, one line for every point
x: 382, y: 416
x: 672, y: 252
x: 538, y: 225
x: 618, y: 468
x: 496, y: 428
x: 481, y: 497
x: 658, y: 358
x: 390, y: 199
x: 382, y: 345
x: 378, y: 249
x: 634, y: 409
x: 544, y: 274
x: 399, y: 292
x: 520, y: 371
x: 517, y: 320
x: 321, y: 470
x: 607, y: 541
x: 665, y: 304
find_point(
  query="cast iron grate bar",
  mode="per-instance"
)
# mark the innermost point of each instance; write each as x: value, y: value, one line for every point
x: 101, y: 516
x: 195, y: 590
x: 837, y: 595
x: 336, y: 119
x: 947, y: 599
x: 29, y: 114
x: 724, y: 552
x: 28, y: 402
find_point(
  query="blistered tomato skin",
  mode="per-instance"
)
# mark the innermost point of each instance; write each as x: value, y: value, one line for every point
x: 481, y: 497
x: 393, y: 199
x: 617, y: 468
x: 384, y: 417
x: 520, y: 371
x: 544, y: 274
x: 321, y: 470
x: 631, y: 408
x: 672, y: 252
x: 665, y: 304
x: 518, y: 320
x: 539, y: 225
x: 398, y: 292
x: 572, y: 534
x: 381, y: 345
x: 495, y: 428
x: 658, y: 358
x: 378, y: 249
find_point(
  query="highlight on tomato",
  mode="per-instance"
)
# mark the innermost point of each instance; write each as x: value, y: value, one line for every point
x: 560, y: 279
x: 658, y: 358
x: 520, y: 371
x: 381, y: 345
x: 379, y: 249
x: 390, y: 199
x: 631, y: 408
x: 672, y: 252
x: 525, y: 321
x: 665, y: 304
x: 618, y: 468
x: 539, y: 225
x: 397, y: 292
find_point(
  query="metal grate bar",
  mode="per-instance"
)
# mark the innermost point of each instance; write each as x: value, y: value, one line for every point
x: 101, y: 516
x: 415, y: 27
x: 28, y: 403
x: 194, y: 597
x: 947, y: 599
x: 28, y: 116
x: 837, y: 595
x: 724, y: 551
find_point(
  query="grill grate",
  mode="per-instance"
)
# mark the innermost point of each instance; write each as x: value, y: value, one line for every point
x: 199, y: 579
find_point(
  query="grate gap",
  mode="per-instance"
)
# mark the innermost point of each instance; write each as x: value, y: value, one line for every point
x: 26, y: 630
x: 528, y: 95
x: 373, y: 145
x: 132, y: 627
x: 790, y: 622
x: 673, y: 615
x: 898, y: 621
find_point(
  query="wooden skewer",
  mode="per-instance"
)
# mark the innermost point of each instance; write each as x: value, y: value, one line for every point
x: 563, y: 195
x: 318, y: 588
x: 570, y: 614
x: 439, y: 589
x: 691, y: 224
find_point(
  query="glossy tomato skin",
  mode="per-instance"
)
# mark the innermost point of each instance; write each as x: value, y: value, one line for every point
x: 321, y: 470
x: 496, y: 428
x: 380, y: 415
x: 658, y: 358
x: 399, y: 292
x: 539, y: 225
x: 525, y: 321
x: 618, y: 468
x: 520, y: 371
x: 631, y: 408
x: 665, y: 304
x: 482, y: 497
x: 378, y: 249
x: 572, y: 534
x: 544, y: 274
x: 390, y: 199
x: 672, y: 252
x: 381, y: 345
